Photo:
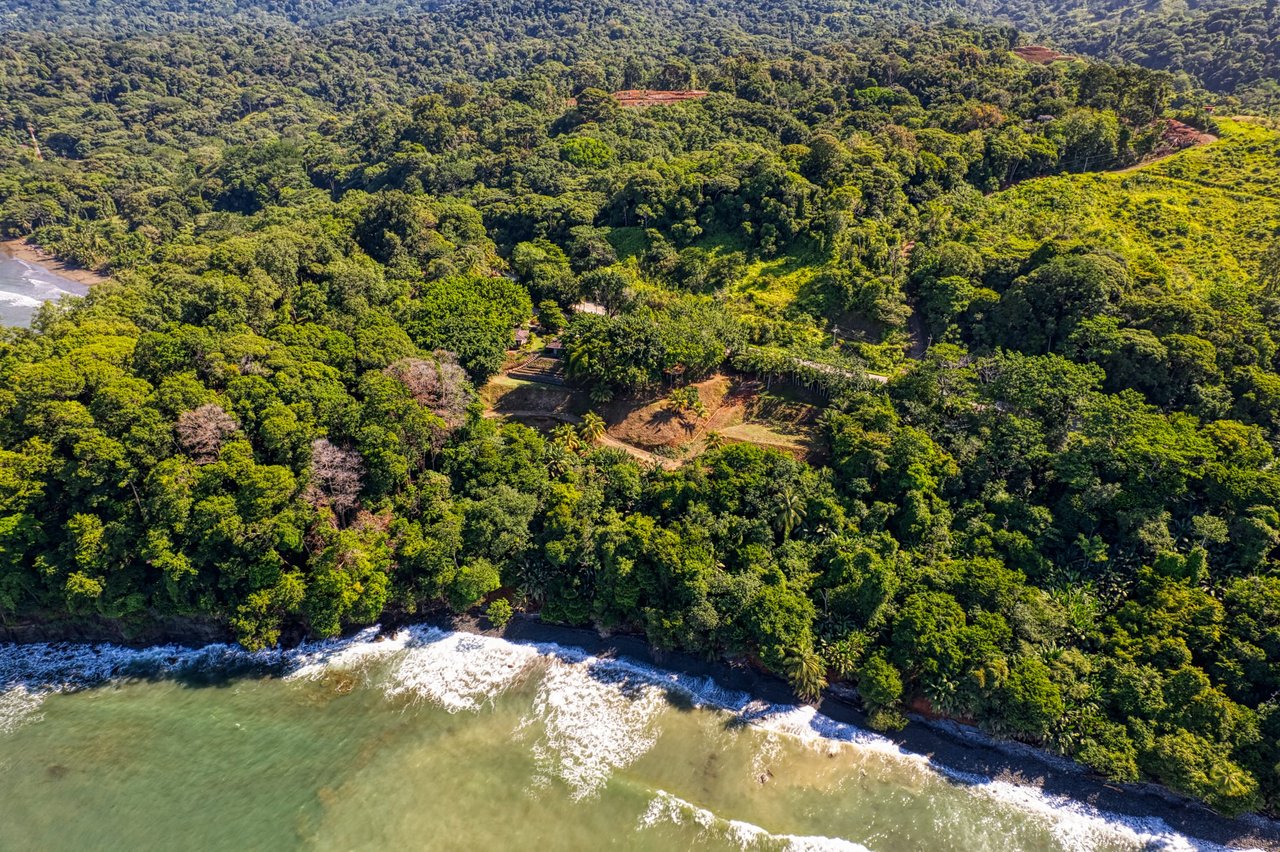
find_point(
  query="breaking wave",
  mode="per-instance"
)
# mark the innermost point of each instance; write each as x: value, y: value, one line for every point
x: 25, y: 286
x: 18, y: 300
x: 666, y: 808
x: 589, y: 716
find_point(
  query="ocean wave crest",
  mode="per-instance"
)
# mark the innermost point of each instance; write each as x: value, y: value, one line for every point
x: 18, y: 300
x: 670, y: 809
x: 589, y: 716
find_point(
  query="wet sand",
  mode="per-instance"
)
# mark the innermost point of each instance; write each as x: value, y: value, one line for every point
x: 22, y: 250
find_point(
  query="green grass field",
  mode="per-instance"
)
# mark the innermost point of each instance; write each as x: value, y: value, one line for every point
x: 1193, y: 221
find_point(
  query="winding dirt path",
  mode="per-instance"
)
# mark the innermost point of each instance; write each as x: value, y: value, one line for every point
x: 606, y: 439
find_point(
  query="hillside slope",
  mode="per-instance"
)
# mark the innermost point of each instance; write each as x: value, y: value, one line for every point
x: 1198, y: 219
x: 1231, y: 46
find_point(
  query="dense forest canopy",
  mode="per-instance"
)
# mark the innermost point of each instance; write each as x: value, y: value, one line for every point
x: 1230, y: 46
x: 1040, y: 347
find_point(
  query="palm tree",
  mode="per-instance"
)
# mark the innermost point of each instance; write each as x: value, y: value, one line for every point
x: 567, y: 436
x: 579, y: 361
x: 685, y: 399
x: 592, y: 427
x: 678, y: 400
x: 806, y: 672
x: 559, y: 459
x: 715, y: 440
x: 1231, y: 782
x: 791, y: 513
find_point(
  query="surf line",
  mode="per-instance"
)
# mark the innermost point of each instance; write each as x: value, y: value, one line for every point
x: 460, y: 671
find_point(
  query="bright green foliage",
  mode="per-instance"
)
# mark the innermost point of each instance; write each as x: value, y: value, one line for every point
x: 472, y: 582
x: 499, y: 612
x: 1198, y: 220
x: 470, y: 317
x: 880, y: 686
x: 1033, y: 702
x: 1044, y: 494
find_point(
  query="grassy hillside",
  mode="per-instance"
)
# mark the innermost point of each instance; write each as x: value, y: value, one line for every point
x: 1194, y: 220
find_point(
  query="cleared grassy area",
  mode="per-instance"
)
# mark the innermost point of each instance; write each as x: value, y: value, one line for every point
x: 1194, y: 221
x: 765, y: 435
x: 774, y: 285
x: 503, y: 393
x: 768, y: 286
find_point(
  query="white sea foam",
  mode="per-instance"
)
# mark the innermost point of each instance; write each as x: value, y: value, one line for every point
x: 666, y: 808
x: 1077, y: 826
x: 590, y: 716
x: 595, y: 719
x: 1074, y: 825
x: 18, y: 300
x: 46, y: 279
x: 459, y: 671
x: 24, y: 287
x: 18, y: 705
x: 314, y: 660
x: 29, y: 673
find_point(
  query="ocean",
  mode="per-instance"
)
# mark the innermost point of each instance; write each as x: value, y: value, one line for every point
x: 432, y: 739
x: 24, y: 286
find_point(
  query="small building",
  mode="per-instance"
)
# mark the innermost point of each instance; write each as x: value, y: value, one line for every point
x: 554, y: 348
x: 522, y: 337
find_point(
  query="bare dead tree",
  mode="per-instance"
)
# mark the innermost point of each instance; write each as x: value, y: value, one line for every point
x: 440, y: 386
x: 337, y: 475
x: 202, y: 431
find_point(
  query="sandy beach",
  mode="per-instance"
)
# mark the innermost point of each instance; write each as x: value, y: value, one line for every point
x: 22, y: 250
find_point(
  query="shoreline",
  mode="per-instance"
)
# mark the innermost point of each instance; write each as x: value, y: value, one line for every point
x: 961, y: 753
x: 20, y: 249
x: 951, y: 748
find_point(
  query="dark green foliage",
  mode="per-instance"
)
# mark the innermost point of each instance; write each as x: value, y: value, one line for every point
x: 472, y: 317
x: 325, y: 220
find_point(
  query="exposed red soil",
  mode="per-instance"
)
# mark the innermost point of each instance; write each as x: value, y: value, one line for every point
x: 1175, y: 136
x: 655, y: 97
x: 651, y: 97
x: 735, y: 409
x: 924, y: 707
x: 1039, y: 54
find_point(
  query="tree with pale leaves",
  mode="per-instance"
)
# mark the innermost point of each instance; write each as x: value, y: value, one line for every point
x: 440, y: 385
x: 337, y: 475
x: 202, y: 431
